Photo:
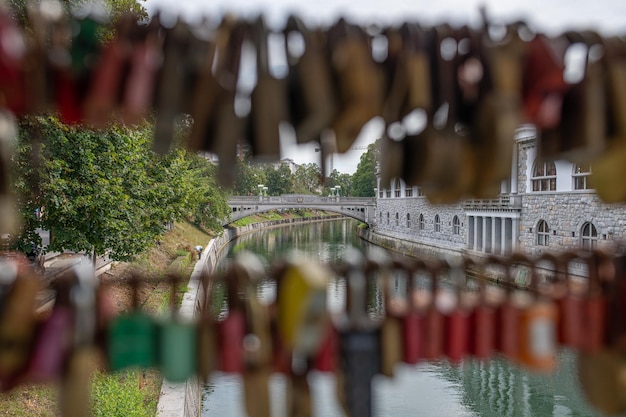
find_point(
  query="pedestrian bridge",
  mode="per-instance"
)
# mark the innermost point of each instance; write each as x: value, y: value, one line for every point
x: 359, y: 208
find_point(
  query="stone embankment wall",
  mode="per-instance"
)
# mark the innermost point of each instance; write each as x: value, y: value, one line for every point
x: 392, y: 223
x: 184, y: 399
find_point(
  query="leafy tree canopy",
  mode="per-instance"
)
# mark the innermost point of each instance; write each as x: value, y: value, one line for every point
x: 105, y: 191
x: 364, y: 179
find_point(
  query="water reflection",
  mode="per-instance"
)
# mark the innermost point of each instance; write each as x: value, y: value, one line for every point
x: 473, y: 388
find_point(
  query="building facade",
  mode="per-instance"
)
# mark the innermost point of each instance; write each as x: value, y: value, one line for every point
x: 543, y: 205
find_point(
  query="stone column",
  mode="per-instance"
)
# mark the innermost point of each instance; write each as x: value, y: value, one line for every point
x: 470, y: 232
x: 497, y: 236
x: 485, y: 235
x: 503, y: 236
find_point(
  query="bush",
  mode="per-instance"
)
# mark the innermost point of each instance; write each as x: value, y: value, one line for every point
x: 120, y: 395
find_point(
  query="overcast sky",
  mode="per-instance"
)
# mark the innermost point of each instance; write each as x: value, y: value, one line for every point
x: 551, y: 16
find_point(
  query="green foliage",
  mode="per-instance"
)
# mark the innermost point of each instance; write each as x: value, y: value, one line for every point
x: 106, y: 191
x: 364, y: 179
x: 249, y: 176
x: 119, y: 395
x: 308, y: 178
x: 342, y: 180
x: 279, y: 180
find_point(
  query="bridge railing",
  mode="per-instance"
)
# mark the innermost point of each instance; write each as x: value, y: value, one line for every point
x: 298, y: 199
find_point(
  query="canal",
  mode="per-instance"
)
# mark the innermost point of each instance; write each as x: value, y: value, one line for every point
x: 491, y: 389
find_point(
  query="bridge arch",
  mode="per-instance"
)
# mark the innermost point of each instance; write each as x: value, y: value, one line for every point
x: 359, y: 208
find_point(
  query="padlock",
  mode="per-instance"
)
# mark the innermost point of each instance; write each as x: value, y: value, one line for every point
x: 208, y: 91
x: 54, y: 336
x: 132, y: 337
x: 456, y: 318
x: 537, y: 324
x: 326, y: 358
x: 359, y: 342
x: 302, y: 321
x: 17, y: 322
x: 482, y: 337
x: 570, y: 305
x: 391, y: 346
x: 601, y: 271
x: 508, y: 318
x: 433, y: 330
x: 450, y: 165
x: 85, y: 357
x: 232, y: 329
x: 359, y: 82
x: 313, y: 103
x: 612, y: 162
x: 257, y: 342
x: 145, y: 61
x: 169, y: 98
x: 102, y: 98
x: 267, y: 101
x: 601, y: 371
x: 302, y: 317
x: 413, y: 320
x: 207, y: 333
x: 177, y: 341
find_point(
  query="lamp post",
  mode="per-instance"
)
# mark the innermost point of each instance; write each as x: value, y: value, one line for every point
x: 375, y: 192
x: 337, y: 188
x: 261, y: 186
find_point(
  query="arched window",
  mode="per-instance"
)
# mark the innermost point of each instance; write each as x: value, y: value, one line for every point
x: 456, y: 225
x: 387, y: 218
x: 544, y: 176
x: 421, y: 222
x: 398, y: 189
x: 408, y: 221
x: 397, y: 219
x: 437, y: 223
x: 543, y: 233
x: 589, y: 236
x: 582, y: 177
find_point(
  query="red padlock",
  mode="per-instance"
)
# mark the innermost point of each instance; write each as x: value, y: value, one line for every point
x: 569, y: 304
x: 433, y: 330
x: 457, y: 319
x: 232, y: 329
x: 482, y: 336
x: 326, y: 358
x: 413, y: 320
x: 507, y: 320
x: 601, y: 270
x: 537, y: 325
x: 54, y: 337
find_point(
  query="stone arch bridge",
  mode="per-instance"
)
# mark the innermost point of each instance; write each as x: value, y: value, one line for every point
x: 359, y: 208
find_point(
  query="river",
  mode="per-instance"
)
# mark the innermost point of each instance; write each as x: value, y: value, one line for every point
x: 491, y: 389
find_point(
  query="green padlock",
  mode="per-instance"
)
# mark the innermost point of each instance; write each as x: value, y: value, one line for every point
x: 132, y: 337
x: 177, y: 343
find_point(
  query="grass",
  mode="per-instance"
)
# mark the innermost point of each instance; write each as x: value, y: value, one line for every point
x: 275, y: 215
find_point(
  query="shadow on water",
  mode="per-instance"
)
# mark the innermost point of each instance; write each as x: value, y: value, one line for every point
x: 487, y: 389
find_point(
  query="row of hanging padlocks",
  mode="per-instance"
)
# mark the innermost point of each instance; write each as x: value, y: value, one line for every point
x: 296, y: 333
x: 473, y: 87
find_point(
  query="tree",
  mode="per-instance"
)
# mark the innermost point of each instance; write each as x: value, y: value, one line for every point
x: 279, y: 180
x: 364, y: 179
x: 116, y: 9
x: 307, y: 178
x: 105, y: 191
x: 344, y: 181
x: 249, y: 176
